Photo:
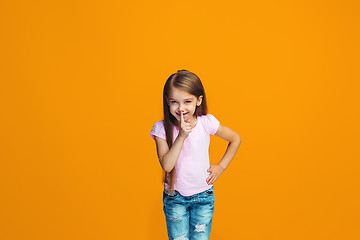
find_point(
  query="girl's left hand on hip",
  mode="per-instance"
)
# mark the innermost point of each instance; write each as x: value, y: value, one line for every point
x: 215, y: 172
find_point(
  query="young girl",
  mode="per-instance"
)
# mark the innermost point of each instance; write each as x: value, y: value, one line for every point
x: 182, y: 143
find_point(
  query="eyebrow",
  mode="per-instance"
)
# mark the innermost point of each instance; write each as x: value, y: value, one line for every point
x: 184, y: 99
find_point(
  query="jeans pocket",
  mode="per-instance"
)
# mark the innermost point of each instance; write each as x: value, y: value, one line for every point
x: 209, y: 192
x: 173, y: 196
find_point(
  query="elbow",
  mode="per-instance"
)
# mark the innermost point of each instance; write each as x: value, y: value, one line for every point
x: 167, y: 169
x: 164, y: 166
x: 237, y: 139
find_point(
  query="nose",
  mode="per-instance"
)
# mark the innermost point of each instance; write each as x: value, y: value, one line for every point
x: 181, y: 108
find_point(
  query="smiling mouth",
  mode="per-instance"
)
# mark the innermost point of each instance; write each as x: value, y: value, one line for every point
x: 184, y: 114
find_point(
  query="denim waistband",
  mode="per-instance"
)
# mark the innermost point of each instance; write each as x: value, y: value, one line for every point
x: 191, y: 196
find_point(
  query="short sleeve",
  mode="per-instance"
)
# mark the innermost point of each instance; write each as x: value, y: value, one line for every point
x: 211, y: 123
x: 158, y: 130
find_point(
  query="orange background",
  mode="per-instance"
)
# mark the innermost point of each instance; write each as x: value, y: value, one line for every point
x: 81, y: 87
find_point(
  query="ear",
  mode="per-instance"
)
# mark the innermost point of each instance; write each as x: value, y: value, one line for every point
x: 199, y: 100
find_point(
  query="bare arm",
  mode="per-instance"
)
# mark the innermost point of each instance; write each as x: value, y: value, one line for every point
x: 168, y: 158
x: 234, y: 142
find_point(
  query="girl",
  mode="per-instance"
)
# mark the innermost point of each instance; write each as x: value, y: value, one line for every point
x: 182, y: 142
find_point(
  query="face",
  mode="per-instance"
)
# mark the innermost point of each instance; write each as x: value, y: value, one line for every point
x: 181, y: 101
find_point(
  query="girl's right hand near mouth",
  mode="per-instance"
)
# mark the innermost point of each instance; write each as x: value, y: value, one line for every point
x: 185, y: 127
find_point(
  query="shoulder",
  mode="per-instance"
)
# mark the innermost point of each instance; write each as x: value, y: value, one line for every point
x: 158, y: 130
x: 208, y: 118
x: 210, y: 123
x: 159, y: 124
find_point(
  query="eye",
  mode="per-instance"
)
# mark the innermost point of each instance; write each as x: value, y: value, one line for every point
x: 173, y: 102
x: 188, y: 101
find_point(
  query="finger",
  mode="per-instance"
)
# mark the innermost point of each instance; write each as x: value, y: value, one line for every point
x: 212, y: 180
x: 208, y: 179
x: 181, y: 117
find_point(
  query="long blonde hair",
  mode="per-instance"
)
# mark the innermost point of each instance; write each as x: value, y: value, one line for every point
x: 185, y: 81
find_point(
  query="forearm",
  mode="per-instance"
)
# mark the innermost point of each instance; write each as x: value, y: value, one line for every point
x: 169, y: 160
x: 230, y: 153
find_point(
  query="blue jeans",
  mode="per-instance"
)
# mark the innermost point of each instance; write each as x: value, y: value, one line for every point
x: 189, y: 217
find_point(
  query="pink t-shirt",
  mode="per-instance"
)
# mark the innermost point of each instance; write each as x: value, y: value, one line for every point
x: 193, y: 162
